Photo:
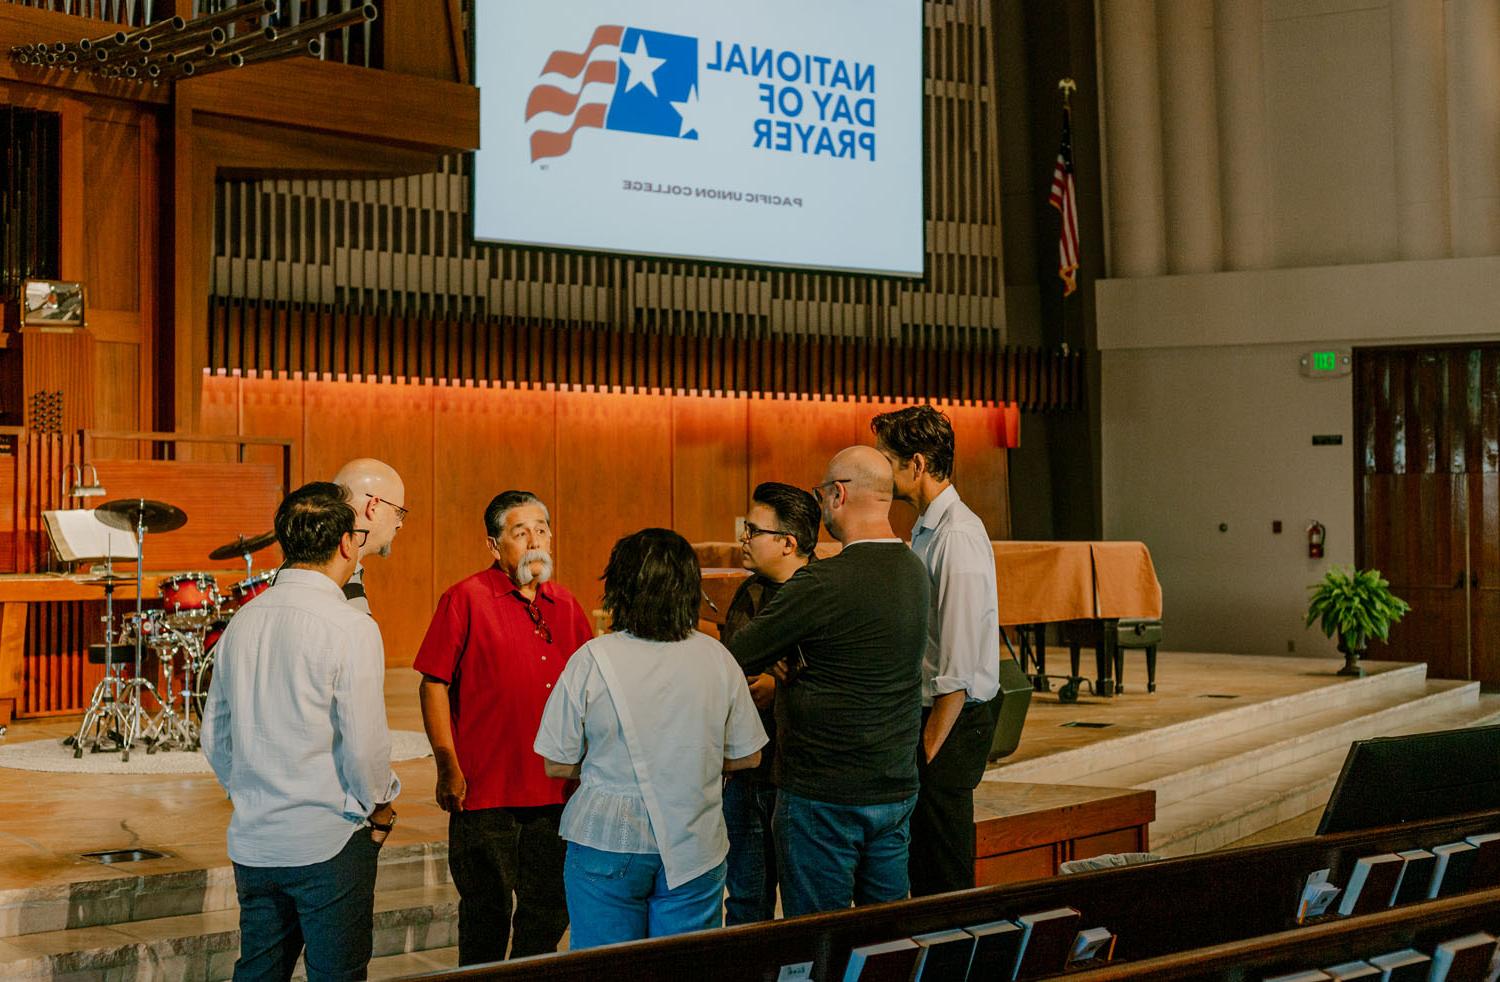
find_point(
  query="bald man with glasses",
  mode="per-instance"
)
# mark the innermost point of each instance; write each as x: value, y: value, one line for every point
x: 378, y: 496
x: 849, y: 722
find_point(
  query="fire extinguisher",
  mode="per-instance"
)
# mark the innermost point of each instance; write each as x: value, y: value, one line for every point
x: 1315, y: 535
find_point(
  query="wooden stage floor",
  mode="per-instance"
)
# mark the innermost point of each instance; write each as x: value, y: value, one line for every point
x: 47, y: 820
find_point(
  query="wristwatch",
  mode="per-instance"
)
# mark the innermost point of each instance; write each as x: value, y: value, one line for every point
x: 383, y: 827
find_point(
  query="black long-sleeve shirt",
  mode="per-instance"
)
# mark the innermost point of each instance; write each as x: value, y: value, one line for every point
x: 850, y: 722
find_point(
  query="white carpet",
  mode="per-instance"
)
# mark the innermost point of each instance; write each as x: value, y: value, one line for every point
x: 50, y: 755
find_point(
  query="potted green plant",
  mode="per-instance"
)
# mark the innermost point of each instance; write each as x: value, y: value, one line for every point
x: 1356, y: 606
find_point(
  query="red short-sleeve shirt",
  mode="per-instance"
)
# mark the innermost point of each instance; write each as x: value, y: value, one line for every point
x: 500, y: 670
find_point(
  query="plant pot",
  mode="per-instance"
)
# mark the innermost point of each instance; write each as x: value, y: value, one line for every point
x: 1352, y: 668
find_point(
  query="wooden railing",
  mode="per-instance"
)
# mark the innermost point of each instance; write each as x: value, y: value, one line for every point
x: 163, y: 446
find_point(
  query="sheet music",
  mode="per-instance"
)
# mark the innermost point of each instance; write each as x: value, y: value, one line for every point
x: 79, y: 536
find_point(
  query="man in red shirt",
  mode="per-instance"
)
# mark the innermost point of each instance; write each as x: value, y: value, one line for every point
x: 496, y: 646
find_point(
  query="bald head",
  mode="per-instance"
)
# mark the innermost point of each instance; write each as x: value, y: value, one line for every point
x: 856, y: 495
x: 379, y: 498
x: 864, y: 472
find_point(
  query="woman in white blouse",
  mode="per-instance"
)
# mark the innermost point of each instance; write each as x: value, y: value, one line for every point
x: 648, y: 719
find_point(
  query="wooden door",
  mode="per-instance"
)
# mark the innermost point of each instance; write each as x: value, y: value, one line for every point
x: 1427, y: 501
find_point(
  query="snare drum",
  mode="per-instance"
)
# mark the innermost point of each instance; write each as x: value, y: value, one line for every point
x: 189, y: 599
x: 251, y: 587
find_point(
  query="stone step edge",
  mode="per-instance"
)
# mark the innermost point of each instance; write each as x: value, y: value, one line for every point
x: 1275, y: 797
x: 1058, y: 768
x: 1316, y: 741
x: 103, y: 957
x: 101, y: 890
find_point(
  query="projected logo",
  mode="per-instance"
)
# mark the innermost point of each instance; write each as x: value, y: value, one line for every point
x: 627, y: 79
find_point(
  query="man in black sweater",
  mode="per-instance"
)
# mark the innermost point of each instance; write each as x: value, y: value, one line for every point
x: 849, y: 719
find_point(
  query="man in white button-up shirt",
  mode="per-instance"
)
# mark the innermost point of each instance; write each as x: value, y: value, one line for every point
x: 295, y: 730
x: 961, y: 670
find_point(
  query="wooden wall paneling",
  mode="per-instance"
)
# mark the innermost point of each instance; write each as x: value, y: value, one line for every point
x: 792, y: 442
x: 392, y: 422
x: 485, y: 440
x: 117, y: 370
x: 710, y: 466
x: 219, y: 413
x: 981, y: 464
x: 59, y: 363
x: 614, y: 477
x: 274, y: 407
x: 149, y: 368
x: 215, y: 514
x: 112, y: 210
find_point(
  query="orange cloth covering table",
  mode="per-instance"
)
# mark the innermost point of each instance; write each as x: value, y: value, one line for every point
x: 1044, y: 583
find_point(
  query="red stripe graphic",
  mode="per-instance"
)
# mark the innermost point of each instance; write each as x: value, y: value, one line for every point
x: 551, y: 99
x: 545, y: 144
x: 570, y: 63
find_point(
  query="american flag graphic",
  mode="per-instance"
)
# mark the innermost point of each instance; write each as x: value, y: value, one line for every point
x: 1063, y: 197
x: 626, y: 79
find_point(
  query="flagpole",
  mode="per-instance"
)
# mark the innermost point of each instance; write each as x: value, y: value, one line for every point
x: 1067, y: 86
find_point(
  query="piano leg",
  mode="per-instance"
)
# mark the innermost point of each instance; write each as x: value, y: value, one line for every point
x: 1107, y: 657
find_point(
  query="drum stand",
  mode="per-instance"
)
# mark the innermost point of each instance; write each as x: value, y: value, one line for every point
x: 113, y: 715
x: 104, y: 718
x: 169, y: 730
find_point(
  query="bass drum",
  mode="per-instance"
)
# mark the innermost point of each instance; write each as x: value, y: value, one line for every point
x: 201, y: 673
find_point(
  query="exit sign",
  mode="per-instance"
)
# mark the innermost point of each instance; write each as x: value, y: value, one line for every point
x: 1326, y: 364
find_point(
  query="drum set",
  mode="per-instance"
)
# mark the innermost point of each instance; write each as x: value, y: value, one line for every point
x: 130, y: 709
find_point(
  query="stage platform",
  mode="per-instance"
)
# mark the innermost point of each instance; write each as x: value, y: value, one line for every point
x: 1218, y: 728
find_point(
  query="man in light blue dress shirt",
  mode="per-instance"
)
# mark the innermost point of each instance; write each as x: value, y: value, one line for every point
x: 295, y: 731
x: 961, y: 669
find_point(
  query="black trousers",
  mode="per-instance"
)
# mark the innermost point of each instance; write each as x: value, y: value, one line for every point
x: 494, y: 852
x: 942, y: 826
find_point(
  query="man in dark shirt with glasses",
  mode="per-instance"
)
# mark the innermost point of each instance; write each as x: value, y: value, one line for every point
x: 497, y: 644
x: 780, y: 533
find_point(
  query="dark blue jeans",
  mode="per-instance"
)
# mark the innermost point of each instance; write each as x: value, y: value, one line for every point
x: 831, y: 855
x: 329, y: 907
x: 749, y: 805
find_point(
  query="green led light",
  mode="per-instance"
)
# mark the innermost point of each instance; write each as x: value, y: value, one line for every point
x: 1325, y: 361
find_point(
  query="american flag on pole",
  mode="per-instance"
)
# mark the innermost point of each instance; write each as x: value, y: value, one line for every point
x: 1064, y: 198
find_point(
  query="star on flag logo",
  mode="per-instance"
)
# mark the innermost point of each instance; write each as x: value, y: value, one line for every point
x: 627, y: 79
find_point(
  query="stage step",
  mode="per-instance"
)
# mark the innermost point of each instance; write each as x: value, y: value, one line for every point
x: 1256, y: 718
x: 408, y: 920
x: 1226, y: 813
x: 407, y: 965
x: 1185, y: 774
x: 149, y: 895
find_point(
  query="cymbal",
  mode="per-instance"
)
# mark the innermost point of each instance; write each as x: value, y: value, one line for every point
x: 155, y: 516
x: 107, y: 580
x: 242, y: 546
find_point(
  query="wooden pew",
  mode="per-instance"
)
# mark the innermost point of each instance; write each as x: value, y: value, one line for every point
x: 1226, y: 900
x: 1419, y: 926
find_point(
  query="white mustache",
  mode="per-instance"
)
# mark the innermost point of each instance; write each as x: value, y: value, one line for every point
x: 525, y: 577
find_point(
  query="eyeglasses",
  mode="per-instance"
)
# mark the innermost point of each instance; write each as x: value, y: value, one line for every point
x: 401, y: 513
x: 538, y: 626
x: 361, y: 536
x: 751, y: 530
x: 817, y: 489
